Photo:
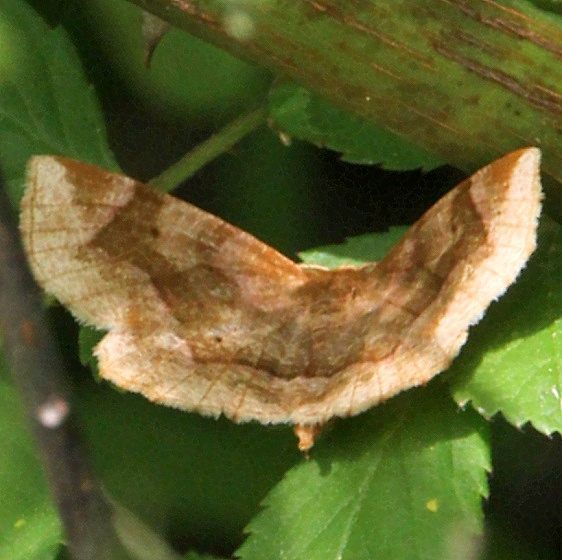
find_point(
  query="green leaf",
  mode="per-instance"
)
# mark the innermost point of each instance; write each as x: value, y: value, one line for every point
x: 513, y: 360
x: 29, y: 526
x: 46, y: 103
x: 88, y: 337
x: 306, y: 116
x: 355, y: 250
x: 192, y: 479
x: 403, y: 481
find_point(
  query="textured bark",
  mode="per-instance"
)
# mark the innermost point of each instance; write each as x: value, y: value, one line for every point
x: 38, y: 371
x: 469, y: 80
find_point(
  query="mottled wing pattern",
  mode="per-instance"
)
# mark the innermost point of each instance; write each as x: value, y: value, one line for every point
x: 173, y: 285
x: 204, y: 317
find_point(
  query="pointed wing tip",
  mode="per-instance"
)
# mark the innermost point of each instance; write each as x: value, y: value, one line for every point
x: 529, y: 158
x: 534, y: 150
x: 525, y: 163
x: 43, y: 170
x: 42, y: 163
x: 526, y: 176
x: 517, y: 176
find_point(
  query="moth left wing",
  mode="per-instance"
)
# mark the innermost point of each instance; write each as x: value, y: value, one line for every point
x: 187, y: 298
x: 112, y: 249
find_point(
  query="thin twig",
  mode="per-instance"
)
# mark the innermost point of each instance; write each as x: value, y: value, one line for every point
x: 217, y: 144
x: 38, y: 372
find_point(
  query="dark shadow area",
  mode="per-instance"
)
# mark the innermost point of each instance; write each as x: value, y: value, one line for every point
x: 526, y: 486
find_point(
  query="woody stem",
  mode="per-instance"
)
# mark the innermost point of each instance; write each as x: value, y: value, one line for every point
x: 38, y: 371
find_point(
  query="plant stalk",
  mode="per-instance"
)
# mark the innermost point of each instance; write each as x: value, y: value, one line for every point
x: 217, y: 144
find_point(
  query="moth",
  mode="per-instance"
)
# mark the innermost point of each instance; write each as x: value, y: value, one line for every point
x: 203, y: 317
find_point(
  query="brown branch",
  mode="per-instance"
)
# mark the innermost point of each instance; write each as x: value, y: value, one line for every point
x: 38, y: 372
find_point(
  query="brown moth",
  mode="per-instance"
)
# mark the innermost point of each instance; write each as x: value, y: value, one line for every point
x: 204, y: 317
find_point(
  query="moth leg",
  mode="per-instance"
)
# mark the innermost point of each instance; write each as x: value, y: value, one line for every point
x: 307, y: 434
